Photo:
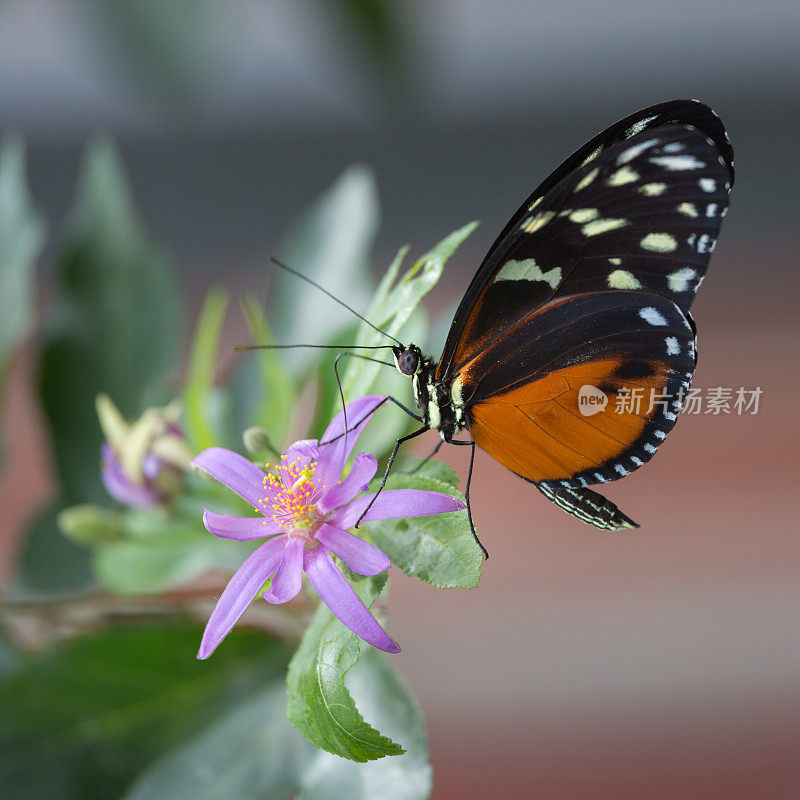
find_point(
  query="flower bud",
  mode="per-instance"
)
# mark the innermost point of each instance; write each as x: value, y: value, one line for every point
x: 90, y: 524
x: 257, y: 441
x: 143, y: 462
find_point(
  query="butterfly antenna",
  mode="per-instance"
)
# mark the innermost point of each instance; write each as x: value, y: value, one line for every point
x: 334, y: 298
x: 318, y: 347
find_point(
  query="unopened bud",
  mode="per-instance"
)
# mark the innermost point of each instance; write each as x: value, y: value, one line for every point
x: 257, y: 441
x: 90, y: 524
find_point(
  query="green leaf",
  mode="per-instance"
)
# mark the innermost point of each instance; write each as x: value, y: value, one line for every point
x: 384, y: 697
x: 200, y: 379
x: 391, y: 308
x: 22, y: 233
x: 331, y: 244
x: 263, y: 388
x: 80, y: 721
x: 160, y: 553
x: 115, y: 327
x: 250, y: 753
x: 438, y: 549
x: 320, y: 706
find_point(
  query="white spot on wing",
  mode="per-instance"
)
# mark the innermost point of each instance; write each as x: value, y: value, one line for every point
x: 689, y: 209
x: 632, y: 152
x: 652, y: 316
x: 674, y: 147
x: 678, y: 281
x: 673, y: 348
x: 711, y: 210
x: 539, y: 221
x: 586, y: 180
x: 659, y: 434
x: 706, y: 244
x: 528, y: 270
x: 599, y: 226
x: 659, y: 242
x: 653, y: 189
x: 622, y: 279
x: 619, y: 468
x: 678, y: 163
x: 622, y: 176
x: 649, y: 447
x: 582, y: 215
x: 707, y: 184
x: 615, y: 261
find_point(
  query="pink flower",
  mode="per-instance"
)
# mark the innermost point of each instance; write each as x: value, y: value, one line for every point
x: 306, y: 508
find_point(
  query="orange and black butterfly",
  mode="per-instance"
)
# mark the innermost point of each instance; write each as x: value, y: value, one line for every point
x: 589, y: 284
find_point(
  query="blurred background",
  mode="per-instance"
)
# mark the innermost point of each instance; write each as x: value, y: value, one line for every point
x: 660, y: 664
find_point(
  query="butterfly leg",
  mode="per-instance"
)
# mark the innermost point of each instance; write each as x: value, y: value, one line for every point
x: 588, y: 506
x: 471, y: 444
x: 392, y: 457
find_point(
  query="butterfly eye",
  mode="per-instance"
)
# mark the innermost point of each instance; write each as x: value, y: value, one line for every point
x: 408, y: 361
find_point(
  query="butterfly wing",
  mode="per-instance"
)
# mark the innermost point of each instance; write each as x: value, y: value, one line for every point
x: 636, y: 353
x: 591, y: 285
x: 643, y: 171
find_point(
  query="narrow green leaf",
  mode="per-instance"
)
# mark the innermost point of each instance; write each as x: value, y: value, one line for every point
x: 392, y: 309
x: 115, y: 327
x: 81, y: 721
x: 22, y: 233
x: 270, y: 388
x: 250, y: 753
x: 320, y: 706
x: 385, y: 698
x: 331, y: 244
x: 438, y: 549
x: 200, y: 379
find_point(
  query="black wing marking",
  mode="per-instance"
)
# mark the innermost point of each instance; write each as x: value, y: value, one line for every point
x: 642, y: 215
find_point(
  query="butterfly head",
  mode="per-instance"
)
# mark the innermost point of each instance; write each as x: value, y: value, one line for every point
x: 408, y: 360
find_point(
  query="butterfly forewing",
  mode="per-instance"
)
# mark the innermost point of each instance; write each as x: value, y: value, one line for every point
x: 673, y: 112
x: 642, y: 213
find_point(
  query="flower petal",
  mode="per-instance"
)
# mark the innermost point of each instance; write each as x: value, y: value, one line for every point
x: 302, y: 453
x: 240, y: 591
x: 243, y: 529
x: 360, y: 475
x: 121, y: 487
x: 335, y: 446
x: 237, y: 473
x: 394, y: 503
x: 289, y: 577
x: 362, y: 557
x: 341, y: 599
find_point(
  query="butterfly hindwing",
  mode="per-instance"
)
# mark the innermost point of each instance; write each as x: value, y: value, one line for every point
x: 522, y: 392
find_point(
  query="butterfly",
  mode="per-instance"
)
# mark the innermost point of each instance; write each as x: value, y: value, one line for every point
x: 589, y: 284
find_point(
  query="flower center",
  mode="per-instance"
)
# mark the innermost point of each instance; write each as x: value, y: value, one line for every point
x: 291, y: 506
